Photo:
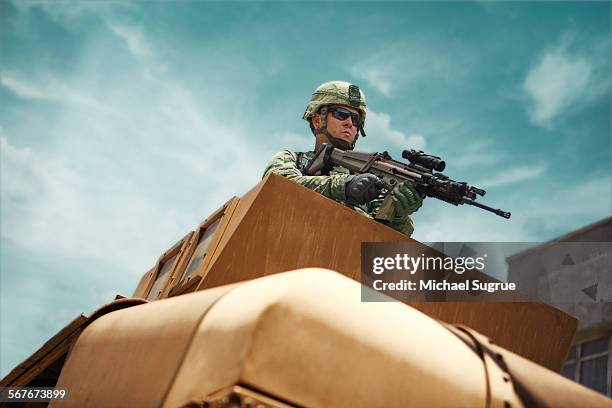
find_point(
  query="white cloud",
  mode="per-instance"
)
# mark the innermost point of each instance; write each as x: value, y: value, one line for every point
x: 132, y: 207
x: 294, y: 141
x: 402, y: 64
x: 377, y: 76
x: 127, y: 169
x: 22, y: 89
x: 416, y: 142
x: 133, y: 37
x: 48, y: 88
x: 66, y: 12
x: 477, y: 153
x: 594, y: 192
x: 556, y: 83
x: 49, y: 207
x: 18, y: 171
x: 382, y: 136
x: 563, y: 80
x: 536, y: 217
x: 513, y: 175
x: 125, y: 189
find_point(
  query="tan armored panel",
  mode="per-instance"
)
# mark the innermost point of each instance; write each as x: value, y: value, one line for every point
x: 280, y: 226
x: 180, y: 269
x: 302, y: 338
x: 531, y: 329
x: 43, y: 367
x: 155, y: 283
x: 54, y: 349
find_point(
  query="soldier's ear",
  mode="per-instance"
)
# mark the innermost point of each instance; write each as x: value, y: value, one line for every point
x: 316, y: 120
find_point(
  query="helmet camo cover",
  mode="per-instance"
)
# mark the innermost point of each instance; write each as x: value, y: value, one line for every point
x: 336, y: 93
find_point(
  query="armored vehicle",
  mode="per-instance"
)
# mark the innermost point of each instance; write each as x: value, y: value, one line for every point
x: 260, y: 306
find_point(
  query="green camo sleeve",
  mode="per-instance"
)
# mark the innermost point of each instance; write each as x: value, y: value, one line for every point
x: 404, y: 226
x: 284, y: 164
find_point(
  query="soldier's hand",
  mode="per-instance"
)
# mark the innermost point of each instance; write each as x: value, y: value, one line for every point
x: 406, y: 200
x: 363, y: 188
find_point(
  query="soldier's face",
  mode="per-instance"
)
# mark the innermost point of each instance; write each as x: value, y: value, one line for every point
x: 341, y: 129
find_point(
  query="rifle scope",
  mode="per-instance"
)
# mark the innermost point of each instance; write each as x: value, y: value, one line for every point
x: 425, y: 160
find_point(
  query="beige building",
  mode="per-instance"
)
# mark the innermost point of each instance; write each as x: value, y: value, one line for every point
x: 574, y: 274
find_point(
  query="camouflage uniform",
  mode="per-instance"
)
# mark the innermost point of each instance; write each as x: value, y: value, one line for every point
x: 288, y: 164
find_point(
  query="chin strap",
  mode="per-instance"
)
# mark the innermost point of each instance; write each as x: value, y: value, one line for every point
x: 339, y: 143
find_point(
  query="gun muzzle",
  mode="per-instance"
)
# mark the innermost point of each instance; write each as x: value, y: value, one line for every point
x: 496, y: 211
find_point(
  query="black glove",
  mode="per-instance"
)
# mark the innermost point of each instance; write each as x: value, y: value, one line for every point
x: 363, y: 188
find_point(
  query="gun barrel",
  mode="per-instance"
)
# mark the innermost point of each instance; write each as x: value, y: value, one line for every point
x: 497, y: 211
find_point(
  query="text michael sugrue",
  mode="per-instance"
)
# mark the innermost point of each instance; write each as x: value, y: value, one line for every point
x: 410, y: 264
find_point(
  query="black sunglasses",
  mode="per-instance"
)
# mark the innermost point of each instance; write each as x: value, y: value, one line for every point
x: 343, y: 114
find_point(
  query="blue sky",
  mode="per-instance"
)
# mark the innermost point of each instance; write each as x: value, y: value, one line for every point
x: 123, y: 125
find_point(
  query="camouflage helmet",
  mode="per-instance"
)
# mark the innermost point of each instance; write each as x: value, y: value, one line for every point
x: 336, y: 93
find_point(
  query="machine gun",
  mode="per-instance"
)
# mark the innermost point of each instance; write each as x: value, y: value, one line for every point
x: 423, y: 172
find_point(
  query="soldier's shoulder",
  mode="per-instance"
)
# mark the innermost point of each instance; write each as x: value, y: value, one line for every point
x: 284, y: 154
x: 289, y: 155
x: 282, y: 158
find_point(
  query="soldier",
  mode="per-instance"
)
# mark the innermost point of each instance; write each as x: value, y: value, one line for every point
x: 336, y: 113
